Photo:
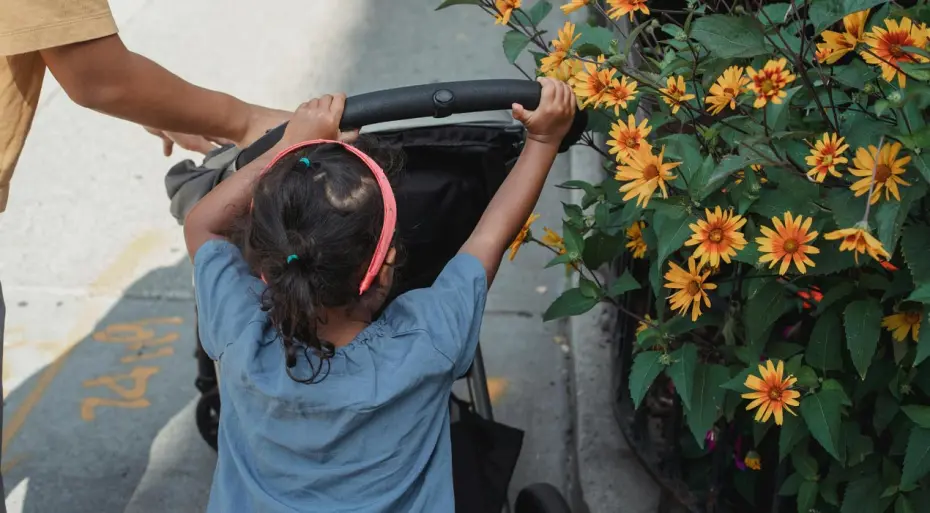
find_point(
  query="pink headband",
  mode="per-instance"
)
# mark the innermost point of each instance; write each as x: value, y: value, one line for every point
x: 387, y: 196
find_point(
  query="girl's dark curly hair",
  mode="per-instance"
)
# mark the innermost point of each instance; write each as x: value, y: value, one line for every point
x: 329, y: 215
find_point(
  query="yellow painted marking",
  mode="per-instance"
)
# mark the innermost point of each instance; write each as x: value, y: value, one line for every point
x: 161, y: 353
x: 496, y: 388
x: 11, y: 462
x: 133, y: 397
x: 118, y: 275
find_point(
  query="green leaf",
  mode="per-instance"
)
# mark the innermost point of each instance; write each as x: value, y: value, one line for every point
x: 917, y: 457
x: 514, y: 43
x: 625, y: 283
x: 563, y: 259
x: 589, y: 288
x: 539, y: 11
x: 902, y: 505
x: 847, y: 210
x: 921, y: 294
x: 601, y: 248
x: 855, y: 74
x: 834, y: 294
x: 832, y: 384
x: 778, y: 113
x: 825, y: 344
x: 791, y: 485
x: 863, y: 495
x: 574, y: 242
x: 922, y: 162
x: 863, y: 328
x: 685, y: 149
x: 919, y: 414
x: 709, y: 180
x: 886, y: 407
x: 730, y: 36
x: 646, y: 367
x: 860, y: 131
x: 764, y: 308
x: 821, y: 412
x: 672, y: 233
x: 738, y: 383
x: 807, y: 378
x: 793, y: 432
x: 858, y: 446
x: 804, y: 463
x: 915, y: 242
x: 923, y: 343
x: 593, y: 40
x: 824, y: 13
x: 571, y: 302
x: 450, y: 3
x: 891, y: 215
x: 682, y: 372
x: 807, y: 496
x: 705, y: 397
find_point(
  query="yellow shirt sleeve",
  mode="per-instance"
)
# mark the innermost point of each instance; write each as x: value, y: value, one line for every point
x: 30, y: 25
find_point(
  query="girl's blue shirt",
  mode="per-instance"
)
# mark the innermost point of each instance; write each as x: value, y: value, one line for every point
x: 373, y: 436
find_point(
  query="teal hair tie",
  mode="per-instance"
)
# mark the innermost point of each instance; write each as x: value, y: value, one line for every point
x: 291, y: 258
x: 305, y: 161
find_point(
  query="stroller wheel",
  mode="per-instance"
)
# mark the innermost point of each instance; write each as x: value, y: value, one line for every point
x: 541, y: 498
x: 208, y: 416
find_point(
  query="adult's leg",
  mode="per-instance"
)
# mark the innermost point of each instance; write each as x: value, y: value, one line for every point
x: 2, y: 316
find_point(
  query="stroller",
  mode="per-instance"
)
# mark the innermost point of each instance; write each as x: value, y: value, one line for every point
x: 451, y: 173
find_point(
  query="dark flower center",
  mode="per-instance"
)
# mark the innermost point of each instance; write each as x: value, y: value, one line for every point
x: 882, y: 172
x: 716, y: 235
x: 912, y: 317
x: 694, y: 288
x: 650, y: 172
x: 790, y: 246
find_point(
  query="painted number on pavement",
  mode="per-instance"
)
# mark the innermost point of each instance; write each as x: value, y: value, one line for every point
x: 143, y: 341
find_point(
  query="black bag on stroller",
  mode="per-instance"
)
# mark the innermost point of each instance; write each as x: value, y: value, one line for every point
x: 450, y: 174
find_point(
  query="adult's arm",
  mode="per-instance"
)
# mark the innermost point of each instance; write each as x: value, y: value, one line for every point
x: 103, y: 75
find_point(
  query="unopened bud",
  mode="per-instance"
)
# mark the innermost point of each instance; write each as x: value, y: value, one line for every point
x: 869, y: 88
x: 895, y: 97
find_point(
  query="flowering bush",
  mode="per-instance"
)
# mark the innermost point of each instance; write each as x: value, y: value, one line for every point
x: 773, y: 188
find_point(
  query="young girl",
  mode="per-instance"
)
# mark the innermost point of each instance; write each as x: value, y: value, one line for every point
x: 325, y: 407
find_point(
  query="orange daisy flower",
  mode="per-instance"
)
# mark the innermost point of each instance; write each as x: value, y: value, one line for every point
x: 728, y: 86
x: 838, y: 44
x: 644, y: 172
x: 824, y: 157
x: 718, y: 237
x: 769, y: 82
x: 675, y: 92
x: 772, y: 393
x: 886, y: 47
x: 620, y: 7
x: 627, y: 138
x: 691, y: 286
x: 636, y: 245
x: 902, y: 323
x: 522, y: 236
x: 562, y: 45
x: 573, y: 6
x: 756, y: 168
x: 592, y: 84
x: 788, y: 242
x: 812, y: 295
x: 566, y: 37
x: 505, y: 10
x: 888, y: 266
x: 643, y: 326
x: 858, y: 240
x: 887, y: 168
x: 619, y: 93
x: 823, y: 53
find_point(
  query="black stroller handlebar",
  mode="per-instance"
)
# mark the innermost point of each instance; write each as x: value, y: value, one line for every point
x: 428, y: 100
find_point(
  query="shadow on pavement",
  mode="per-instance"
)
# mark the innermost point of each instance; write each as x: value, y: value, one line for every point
x: 120, y: 406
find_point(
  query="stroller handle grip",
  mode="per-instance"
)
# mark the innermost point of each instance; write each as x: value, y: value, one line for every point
x: 428, y: 100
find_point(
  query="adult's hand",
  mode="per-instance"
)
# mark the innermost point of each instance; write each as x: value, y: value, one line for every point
x: 187, y: 141
x: 261, y: 120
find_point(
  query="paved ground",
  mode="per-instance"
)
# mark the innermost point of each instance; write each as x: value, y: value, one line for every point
x: 98, y: 369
